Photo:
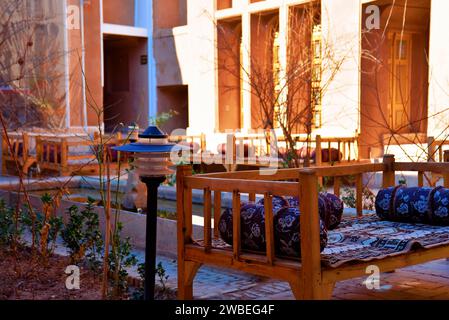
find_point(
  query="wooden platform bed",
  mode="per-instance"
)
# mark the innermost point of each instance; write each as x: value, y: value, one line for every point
x: 308, y: 278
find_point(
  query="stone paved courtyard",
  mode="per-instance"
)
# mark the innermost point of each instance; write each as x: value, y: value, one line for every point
x: 427, y: 281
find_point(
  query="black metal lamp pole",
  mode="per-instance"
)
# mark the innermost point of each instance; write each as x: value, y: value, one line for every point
x: 152, y: 184
x: 152, y: 161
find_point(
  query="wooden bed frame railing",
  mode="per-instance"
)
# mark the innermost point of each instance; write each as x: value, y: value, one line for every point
x: 308, y: 279
x: 53, y: 153
x: 348, y: 146
x: 436, y: 150
x: 20, y: 143
x: 200, y: 139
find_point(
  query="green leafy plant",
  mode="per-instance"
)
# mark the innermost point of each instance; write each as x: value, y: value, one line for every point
x: 138, y: 294
x: 82, y: 235
x: 368, y: 199
x: 46, y: 226
x: 349, y: 198
x: 8, y: 230
x: 120, y: 258
x: 167, y: 214
x: 162, y: 276
x: 163, y: 117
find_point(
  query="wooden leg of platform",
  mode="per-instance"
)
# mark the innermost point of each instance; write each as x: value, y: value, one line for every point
x: 327, y: 290
x: 186, y: 273
x: 321, y: 292
x: 297, y: 290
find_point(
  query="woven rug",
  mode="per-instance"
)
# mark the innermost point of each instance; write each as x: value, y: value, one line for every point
x: 369, y: 238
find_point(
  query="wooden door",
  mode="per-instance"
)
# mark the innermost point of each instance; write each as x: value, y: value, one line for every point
x: 400, y: 83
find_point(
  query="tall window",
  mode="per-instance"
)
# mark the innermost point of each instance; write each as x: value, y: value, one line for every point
x: 316, y: 76
x: 279, y: 109
x: 242, y: 77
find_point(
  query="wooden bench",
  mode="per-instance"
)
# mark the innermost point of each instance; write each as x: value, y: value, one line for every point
x: 200, y: 140
x: 56, y: 154
x: 437, y: 151
x: 308, y: 278
x: 20, y: 144
x: 345, y: 148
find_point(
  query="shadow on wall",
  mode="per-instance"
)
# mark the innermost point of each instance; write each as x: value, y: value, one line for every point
x: 172, y: 89
x: 126, y: 81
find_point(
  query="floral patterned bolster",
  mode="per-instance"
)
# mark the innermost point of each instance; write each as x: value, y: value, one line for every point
x: 414, y: 205
x: 286, y: 223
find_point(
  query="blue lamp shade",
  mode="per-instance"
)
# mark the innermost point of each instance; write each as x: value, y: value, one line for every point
x: 157, y: 143
x: 153, y: 155
x: 140, y: 147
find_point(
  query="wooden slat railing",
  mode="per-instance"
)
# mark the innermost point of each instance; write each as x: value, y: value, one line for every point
x: 217, y: 212
x: 200, y: 139
x: 269, y: 230
x: 236, y: 224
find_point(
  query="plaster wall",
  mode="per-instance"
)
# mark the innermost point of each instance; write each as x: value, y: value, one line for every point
x: 119, y: 12
x: 439, y: 69
x: 340, y: 35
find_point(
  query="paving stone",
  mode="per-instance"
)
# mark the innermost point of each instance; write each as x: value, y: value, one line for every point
x: 427, y: 281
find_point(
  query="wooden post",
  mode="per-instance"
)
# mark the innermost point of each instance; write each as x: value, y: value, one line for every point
x: 64, y: 157
x: 388, y: 176
x: 217, y: 212
x: 203, y: 142
x: 207, y: 219
x: 340, y: 154
x: 186, y: 269
x: 359, y: 194
x: 431, y: 149
x: 446, y: 174
x: 318, y: 152
x: 26, y: 144
x: 252, y: 197
x: 39, y: 149
x: 319, y: 157
x: 269, y: 230
x: 310, y: 285
x: 4, y: 152
x: 446, y: 156
x: 420, y: 179
x: 236, y: 227
x: 337, y: 186
x: 230, y: 151
x: 269, y: 141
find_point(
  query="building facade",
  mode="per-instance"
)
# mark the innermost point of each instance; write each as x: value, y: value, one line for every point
x: 383, y: 66
x: 99, y: 53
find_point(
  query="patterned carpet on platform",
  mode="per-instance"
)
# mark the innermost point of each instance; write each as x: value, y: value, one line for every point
x: 369, y: 238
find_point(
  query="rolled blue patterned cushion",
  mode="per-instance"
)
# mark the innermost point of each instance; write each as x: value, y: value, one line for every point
x: 253, y: 229
x: 293, y: 201
x: 277, y: 202
x: 330, y: 208
x: 384, y: 202
x: 335, y: 211
x: 225, y: 226
x: 440, y: 206
x: 412, y: 205
x: 287, y: 232
x: 252, y: 217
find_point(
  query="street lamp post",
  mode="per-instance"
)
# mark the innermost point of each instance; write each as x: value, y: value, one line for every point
x: 152, y: 162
